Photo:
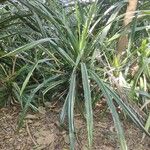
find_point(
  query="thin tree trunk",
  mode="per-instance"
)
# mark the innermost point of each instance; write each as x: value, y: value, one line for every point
x: 129, y: 15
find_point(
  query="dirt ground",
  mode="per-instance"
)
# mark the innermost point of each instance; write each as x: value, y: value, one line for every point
x: 41, y: 131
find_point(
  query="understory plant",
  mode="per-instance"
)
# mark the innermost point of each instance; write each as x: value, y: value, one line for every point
x: 63, y: 49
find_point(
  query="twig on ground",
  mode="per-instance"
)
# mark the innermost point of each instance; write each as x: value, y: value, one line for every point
x: 28, y: 131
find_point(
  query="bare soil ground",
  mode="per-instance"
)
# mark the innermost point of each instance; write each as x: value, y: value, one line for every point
x: 41, y: 131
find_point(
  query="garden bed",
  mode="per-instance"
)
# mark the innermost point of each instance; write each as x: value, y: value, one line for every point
x: 41, y: 131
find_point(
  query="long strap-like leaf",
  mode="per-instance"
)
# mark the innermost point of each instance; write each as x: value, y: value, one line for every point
x: 88, y: 103
x: 115, y: 116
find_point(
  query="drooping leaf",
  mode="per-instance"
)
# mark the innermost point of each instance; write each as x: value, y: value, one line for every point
x: 88, y: 103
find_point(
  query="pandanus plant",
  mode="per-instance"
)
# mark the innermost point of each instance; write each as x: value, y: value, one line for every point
x: 72, y: 39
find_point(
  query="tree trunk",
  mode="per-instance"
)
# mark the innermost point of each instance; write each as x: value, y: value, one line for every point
x: 129, y: 15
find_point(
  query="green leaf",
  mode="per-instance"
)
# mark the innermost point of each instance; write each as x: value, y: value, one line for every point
x: 27, y: 47
x: 64, y: 111
x: 130, y: 112
x: 71, y: 100
x: 29, y: 75
x: 29, y: 100
x: 88, y: 103
x: 52, y: 85
x: 115, y: 116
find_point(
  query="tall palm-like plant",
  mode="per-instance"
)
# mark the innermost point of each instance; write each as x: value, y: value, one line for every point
x: 67, y: 42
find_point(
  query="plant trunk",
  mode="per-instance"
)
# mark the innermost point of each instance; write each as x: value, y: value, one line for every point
x: 129, y: 15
